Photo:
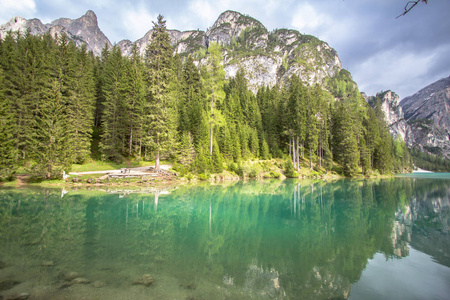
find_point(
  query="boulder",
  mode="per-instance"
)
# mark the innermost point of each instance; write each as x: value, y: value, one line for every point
x: 69, y: 276
x: 145, y: 279
x: 80, y: 280
x: 98, y: 284
x: 8, y: 284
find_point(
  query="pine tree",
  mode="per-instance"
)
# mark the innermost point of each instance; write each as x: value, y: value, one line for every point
x: 345, y: 144
x: 383, y: 148
x: 372, y: 134
x: 7, y: 149
x: 192, y: 99
x: 135, y: 102
x: 187, y: 150
x: 216, y: 159
x: 265, y: 153
x: 296, y: 117
x: 114, y: 114
x: 213, y: 82
x: 30, y: 78
x: 51, y: 143
x: 77, y: 67
x: 160, y: 122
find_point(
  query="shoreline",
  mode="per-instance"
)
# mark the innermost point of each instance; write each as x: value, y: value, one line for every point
x: 163, y: 182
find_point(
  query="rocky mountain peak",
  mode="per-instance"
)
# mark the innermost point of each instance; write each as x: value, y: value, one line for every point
x: 431, y: 102
x: 82, y: 30
x: 90, y: 15
x: 16, y: 24
x: 395, y: 119
x: 267, y: 58
x: 89, y: 19
x: 230, y: 25
x: 428, y: 113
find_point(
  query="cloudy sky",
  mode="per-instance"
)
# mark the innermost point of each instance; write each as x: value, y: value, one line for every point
x: 381, y: 52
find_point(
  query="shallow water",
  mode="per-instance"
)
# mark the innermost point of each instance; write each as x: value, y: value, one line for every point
x: 371, y: 239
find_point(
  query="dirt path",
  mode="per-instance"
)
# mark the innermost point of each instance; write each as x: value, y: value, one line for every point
x: 22, y: 179
x: 117, y: 171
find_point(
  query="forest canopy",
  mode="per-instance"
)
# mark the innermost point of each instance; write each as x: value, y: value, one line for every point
x: 61, y: 105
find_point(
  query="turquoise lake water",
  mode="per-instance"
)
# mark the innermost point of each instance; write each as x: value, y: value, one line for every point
x: 345, y: 239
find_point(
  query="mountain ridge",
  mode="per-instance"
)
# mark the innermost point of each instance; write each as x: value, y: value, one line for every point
x: 422, y: 119
x: 82, y: 30
x: 269, y: 58
x: 428, y: 114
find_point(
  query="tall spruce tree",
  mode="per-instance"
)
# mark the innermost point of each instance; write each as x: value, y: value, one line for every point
x: 160, y: 111
x: 7, y: 149
x: 114, y: 114
x: 135, y: 102
x: 52, y: 146
x: 345, y: 149
x: 80, y: 101
x: 213, y: 82
x: 193, y: 100
x: 296, y: 117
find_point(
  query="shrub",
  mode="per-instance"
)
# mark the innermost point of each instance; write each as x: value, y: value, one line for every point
x: 289, y: 170
x: 275, y: 174
x: 203, y: 176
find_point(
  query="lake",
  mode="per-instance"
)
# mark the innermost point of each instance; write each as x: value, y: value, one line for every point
x: 344, y: 239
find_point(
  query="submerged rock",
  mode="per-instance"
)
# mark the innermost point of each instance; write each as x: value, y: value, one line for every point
x: 21, y: 296
x: 145, y: 279
x: 69, y: 276
x: 80, y: 280
x: 7, y: 284
x: 98, y: 284
x: 2, y: 264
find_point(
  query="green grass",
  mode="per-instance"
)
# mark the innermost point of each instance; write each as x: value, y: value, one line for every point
x: 109, y: 165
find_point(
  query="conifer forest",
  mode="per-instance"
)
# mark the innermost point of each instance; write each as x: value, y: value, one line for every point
x: 61, y: 105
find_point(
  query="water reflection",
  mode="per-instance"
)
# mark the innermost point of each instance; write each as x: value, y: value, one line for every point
x: 262, y: 240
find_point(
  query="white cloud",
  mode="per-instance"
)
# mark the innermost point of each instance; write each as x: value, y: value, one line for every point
x: 11, y: 8
x: 137, y: 22
x: 205, y: 11
x: 392, y: 69
x: 308, y: 20
x: 18, y: 5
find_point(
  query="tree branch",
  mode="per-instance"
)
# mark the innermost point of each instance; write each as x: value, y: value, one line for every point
x: 410, y: 6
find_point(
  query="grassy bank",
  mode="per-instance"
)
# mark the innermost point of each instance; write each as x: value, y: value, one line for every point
x: 244, y: 170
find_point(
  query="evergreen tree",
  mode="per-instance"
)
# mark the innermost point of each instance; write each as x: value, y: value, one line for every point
x: 51, y: 143
x: 191, y: 113
x: 187, y: 150
x: 216, y: 159
x: 160, y: 122
x: 296, y: 117
x: 213, y: 82
x: 78, y: 65
x: 114, y: 114
x: 372, y: 134
x: 7, y: 149
x: 345, y: 144
x: 135, y: 102
x: 383, y: 149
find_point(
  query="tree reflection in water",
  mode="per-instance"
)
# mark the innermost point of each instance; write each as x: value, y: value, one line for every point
x: 266, y: 240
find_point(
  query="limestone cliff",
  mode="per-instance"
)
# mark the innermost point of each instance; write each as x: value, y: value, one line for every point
x: 82, y: 30
x: 393, y: 112
x: 428, y: 114
x: 421, y: 120
x: 267, y: 57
